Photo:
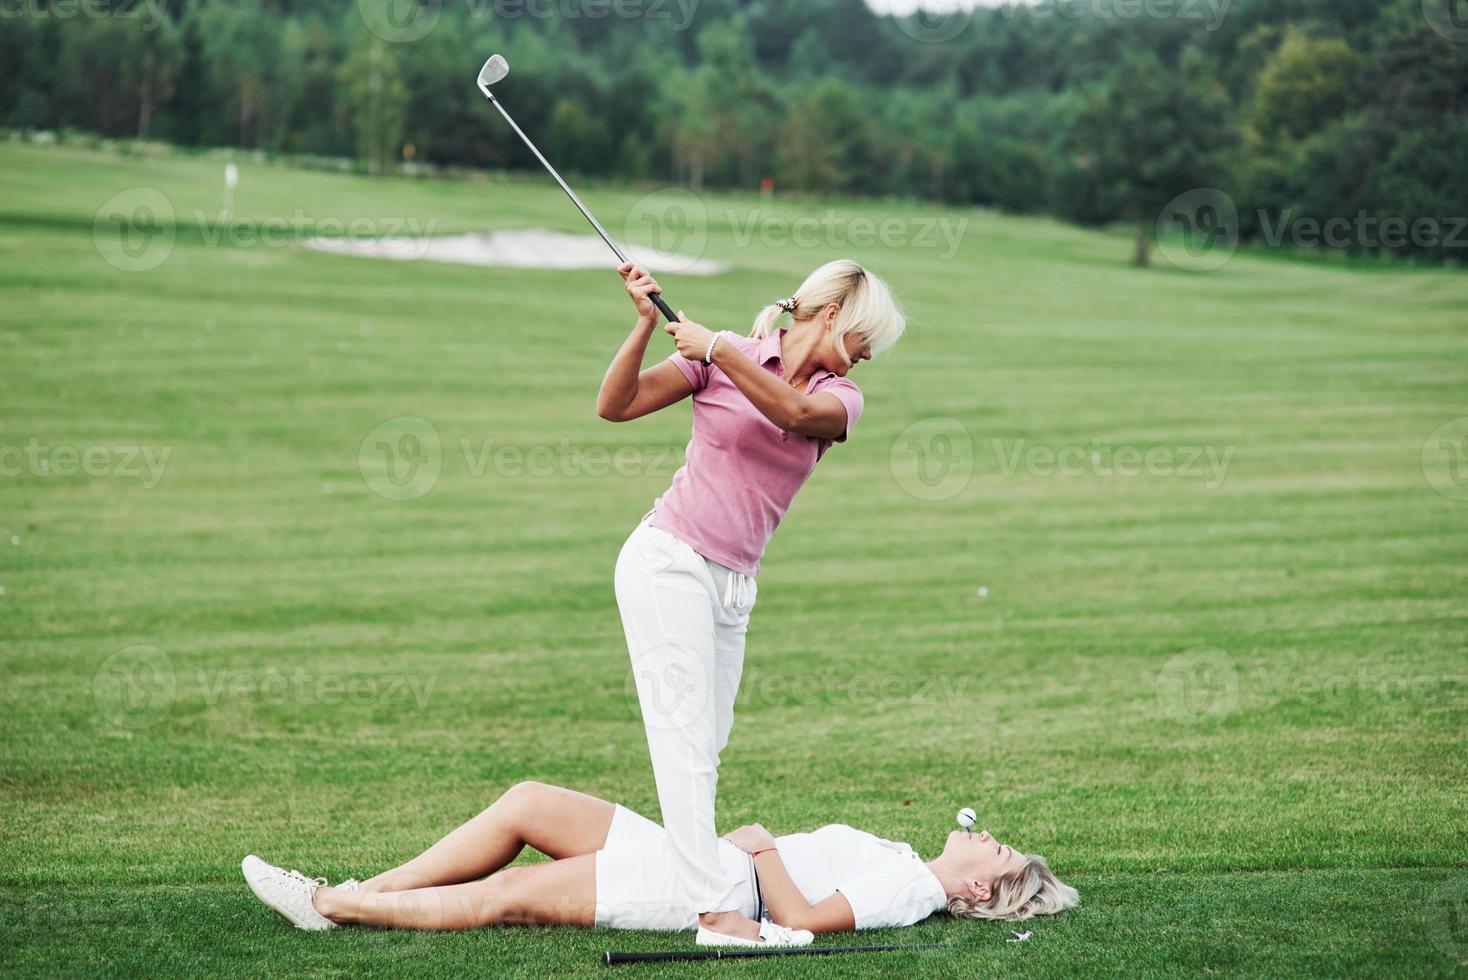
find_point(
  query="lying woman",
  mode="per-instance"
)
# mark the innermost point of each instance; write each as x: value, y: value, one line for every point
x: 611, y: 867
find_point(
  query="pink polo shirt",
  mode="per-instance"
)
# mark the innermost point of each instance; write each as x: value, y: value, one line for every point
x: 741, y: 470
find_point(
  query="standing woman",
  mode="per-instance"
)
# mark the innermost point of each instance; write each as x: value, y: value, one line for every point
x: 765, y: 409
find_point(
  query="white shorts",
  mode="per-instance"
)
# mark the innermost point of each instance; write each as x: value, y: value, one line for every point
x: 637, y: 878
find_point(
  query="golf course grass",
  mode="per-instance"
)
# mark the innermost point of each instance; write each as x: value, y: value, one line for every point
x: 1163, y: 572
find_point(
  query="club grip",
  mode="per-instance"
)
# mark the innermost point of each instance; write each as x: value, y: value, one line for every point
x: 665, y: 308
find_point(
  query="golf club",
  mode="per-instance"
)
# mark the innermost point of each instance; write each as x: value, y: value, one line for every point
x: 494, y: 70
x: 615, y: 959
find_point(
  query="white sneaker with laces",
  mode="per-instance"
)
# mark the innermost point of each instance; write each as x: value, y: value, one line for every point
x: 770, y: 934
x: 287, y: 892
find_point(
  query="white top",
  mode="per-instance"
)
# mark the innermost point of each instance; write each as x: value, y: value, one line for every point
x: 886, y: 883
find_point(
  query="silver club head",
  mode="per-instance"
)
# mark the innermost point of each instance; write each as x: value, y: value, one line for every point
x: 494, y: 70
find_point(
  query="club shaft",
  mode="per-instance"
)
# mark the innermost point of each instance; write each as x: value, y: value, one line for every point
x: 585, y: 211
x: 617, y: 959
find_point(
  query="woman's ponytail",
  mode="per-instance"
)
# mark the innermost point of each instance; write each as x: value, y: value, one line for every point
x: 867, y: 305
x: 764, y: 324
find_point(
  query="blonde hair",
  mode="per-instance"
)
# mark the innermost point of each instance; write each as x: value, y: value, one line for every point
x: 1033, y: 890
x: 867, y: 306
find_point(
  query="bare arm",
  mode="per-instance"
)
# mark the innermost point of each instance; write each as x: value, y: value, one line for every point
x: 820, y: 415
x: 627, y: 392
x: 788, y: 906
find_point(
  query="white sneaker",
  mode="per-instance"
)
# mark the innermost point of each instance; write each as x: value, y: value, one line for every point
x: 287, y: 892
x: 769, y: 935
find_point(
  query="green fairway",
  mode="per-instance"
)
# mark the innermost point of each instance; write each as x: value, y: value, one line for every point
x: 1216, y: 674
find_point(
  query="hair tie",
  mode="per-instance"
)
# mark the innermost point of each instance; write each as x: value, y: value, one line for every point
x: 788, y: 305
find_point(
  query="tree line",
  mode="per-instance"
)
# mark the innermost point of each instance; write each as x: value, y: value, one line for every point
x: 1304, y: 114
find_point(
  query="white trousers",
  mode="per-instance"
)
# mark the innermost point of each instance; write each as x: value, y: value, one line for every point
x: 685, y: 617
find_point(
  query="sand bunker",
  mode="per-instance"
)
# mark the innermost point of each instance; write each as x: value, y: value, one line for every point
x: 529, y: 248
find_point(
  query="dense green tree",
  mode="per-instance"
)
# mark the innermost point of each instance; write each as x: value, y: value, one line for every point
x: 375, y: 99
x: 1306, y: 85
x: 1350, y: 108
x: 819, y: 139
x: 726, y: 112
x: 1151, y: 135
x: 17, y: 38
x: 193, y: 92
x: 310, y: 55
x: 112, y: 74
x: 242, y: 45
x: 150, y: 78
x: 577, y: 140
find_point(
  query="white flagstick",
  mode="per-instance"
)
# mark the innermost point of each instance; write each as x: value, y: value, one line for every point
x: 231, y: 180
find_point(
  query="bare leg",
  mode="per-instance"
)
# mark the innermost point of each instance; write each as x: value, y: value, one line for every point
x: 560, y: 823
x: 732, y: 923
x: 556, y: 893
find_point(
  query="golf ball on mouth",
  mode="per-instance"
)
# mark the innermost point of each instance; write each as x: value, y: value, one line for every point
x: 966, y: 818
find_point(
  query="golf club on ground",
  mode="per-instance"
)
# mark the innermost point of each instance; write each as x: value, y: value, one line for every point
x: 494, y: 70
x: 615, y: 959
